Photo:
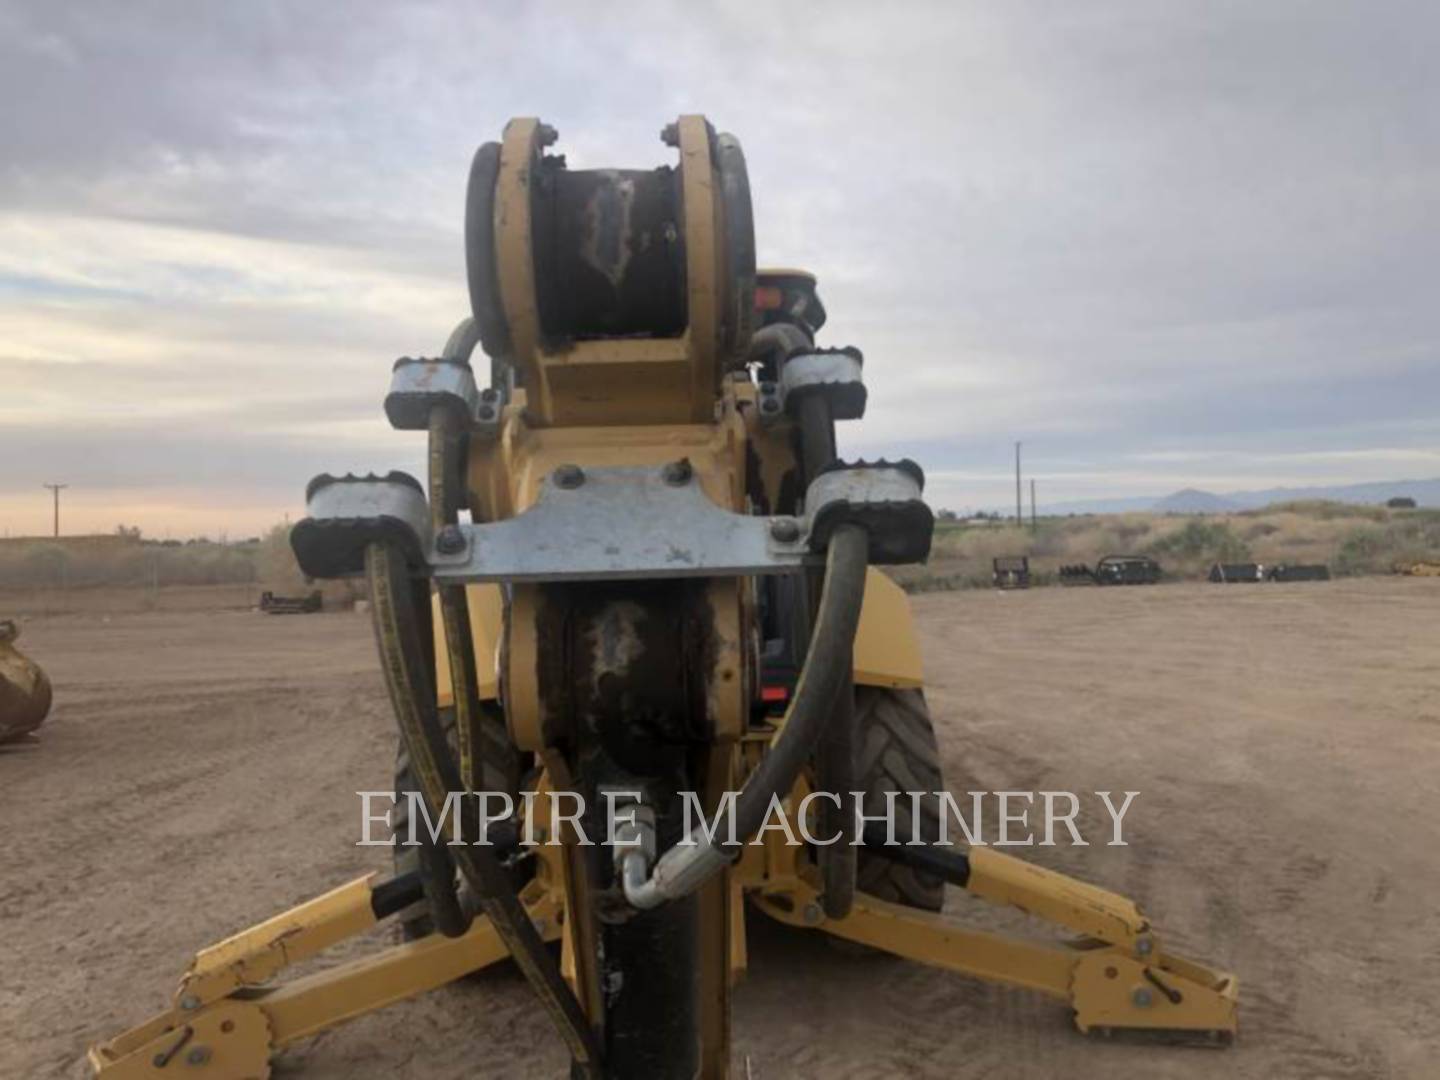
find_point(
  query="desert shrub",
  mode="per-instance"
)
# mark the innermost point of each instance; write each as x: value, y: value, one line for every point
x: 1201, y: 539
x: 275, y: 563
x: 1324, y: 510
x: 1128, y: 531
x: 1370, y: 549
x: 1360, y: 551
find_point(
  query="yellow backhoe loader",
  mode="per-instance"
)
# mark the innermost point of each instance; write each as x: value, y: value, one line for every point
x: 639, y: 576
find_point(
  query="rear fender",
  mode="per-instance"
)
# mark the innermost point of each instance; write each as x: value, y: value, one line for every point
x: 887, y: 651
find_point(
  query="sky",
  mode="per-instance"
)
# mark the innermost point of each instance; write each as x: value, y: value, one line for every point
x: 1165, y: 244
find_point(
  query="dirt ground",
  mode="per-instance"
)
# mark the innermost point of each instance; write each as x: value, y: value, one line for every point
x: 198, y: 773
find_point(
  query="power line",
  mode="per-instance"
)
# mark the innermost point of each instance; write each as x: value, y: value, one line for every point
x: 1019, y: 511
x: 55, y: 490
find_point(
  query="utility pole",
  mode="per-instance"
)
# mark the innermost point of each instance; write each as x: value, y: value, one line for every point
x: 1034, y: 524
x: 1019, y: 510
x: 55, y: 490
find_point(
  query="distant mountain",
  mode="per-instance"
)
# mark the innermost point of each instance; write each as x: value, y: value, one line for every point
x: 1193, y: 501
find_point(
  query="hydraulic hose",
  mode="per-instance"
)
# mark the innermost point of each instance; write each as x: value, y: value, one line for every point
x: 691, y: 862
x: 770, y: 345
x: 400, y: 613
x: 835, y: 761
x: 449, y: 914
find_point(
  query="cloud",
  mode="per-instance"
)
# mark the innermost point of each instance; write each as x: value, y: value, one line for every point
x: 1120, y: 231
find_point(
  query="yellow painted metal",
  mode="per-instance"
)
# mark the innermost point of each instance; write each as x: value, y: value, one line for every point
x: 505, y: 475
x: 486, y: 606
x: 505, y: 478
x: 1104, y: 985
x: 1096, y: 974
x: 1111, y: 990
x: 237, y: 1035
x: 622, y: 381
x: 704, y: 263
x: 1116, y: 975
x: 315, y: 1002
x: 887, y: 650
x: 524, y: 717
x: 24, y: 688
x: 230, y: 1040
x: 1075, y: 905
x: 253, y: 956
x: 1422, y: 568
x: 519, y: 164
x: 647, y: 402
x: 610, y: 382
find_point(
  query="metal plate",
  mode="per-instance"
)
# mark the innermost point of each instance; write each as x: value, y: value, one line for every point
x: 620, y: 523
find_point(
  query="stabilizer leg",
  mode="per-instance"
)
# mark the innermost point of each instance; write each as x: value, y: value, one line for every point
x: 1114, y: 976
x: 224, y: 1025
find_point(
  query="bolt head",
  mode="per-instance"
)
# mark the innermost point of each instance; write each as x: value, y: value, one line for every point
x: 197, y: 1055
x: 451, y: 540
x: 189, y: 1001
x: 785, y: 530
x: 677, y: 473
x: 568, y: 476
x: 1144, y: 946
x: 813, y: 915
x: 1142, y: 997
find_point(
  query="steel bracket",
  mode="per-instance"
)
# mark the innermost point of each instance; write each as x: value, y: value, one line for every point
x: 348, y: 513
x: 831, y: 373
x: 883, y: 498
x: 417, y: 387
x: 612, y: 524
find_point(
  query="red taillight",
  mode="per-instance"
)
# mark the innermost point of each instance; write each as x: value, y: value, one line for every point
x: 768, y: 298
x: 771, y: 694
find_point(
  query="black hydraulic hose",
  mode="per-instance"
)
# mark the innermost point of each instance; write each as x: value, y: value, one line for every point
x: 446, y: 483
x: 687, y: 865
x: 389, y: 897
x: 839, y: 863
x: 835, y: 762
x: 941, y: 862
x: 437, y: 878
x: 817, y: 434
x: 400, y: 617
x: 446, y: 496
x: 827, y: 665
x: 771, y: 345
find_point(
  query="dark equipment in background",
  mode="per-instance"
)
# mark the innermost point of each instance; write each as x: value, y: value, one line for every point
x: 271, y: 604
x: 1252, y: 573
x: 1010, y: 571
x: 1127, y: 570
x: 1235, y: 573
x: 1114, y: 570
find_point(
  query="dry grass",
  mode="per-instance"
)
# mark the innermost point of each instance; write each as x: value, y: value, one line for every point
x: 1349, y: 539
x: 77, y: 573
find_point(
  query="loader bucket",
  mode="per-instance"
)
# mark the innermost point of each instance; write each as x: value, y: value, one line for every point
x: 24, y: 688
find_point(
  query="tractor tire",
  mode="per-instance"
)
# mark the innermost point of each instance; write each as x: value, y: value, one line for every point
x: 503, y: 770
x: 896, y: 751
